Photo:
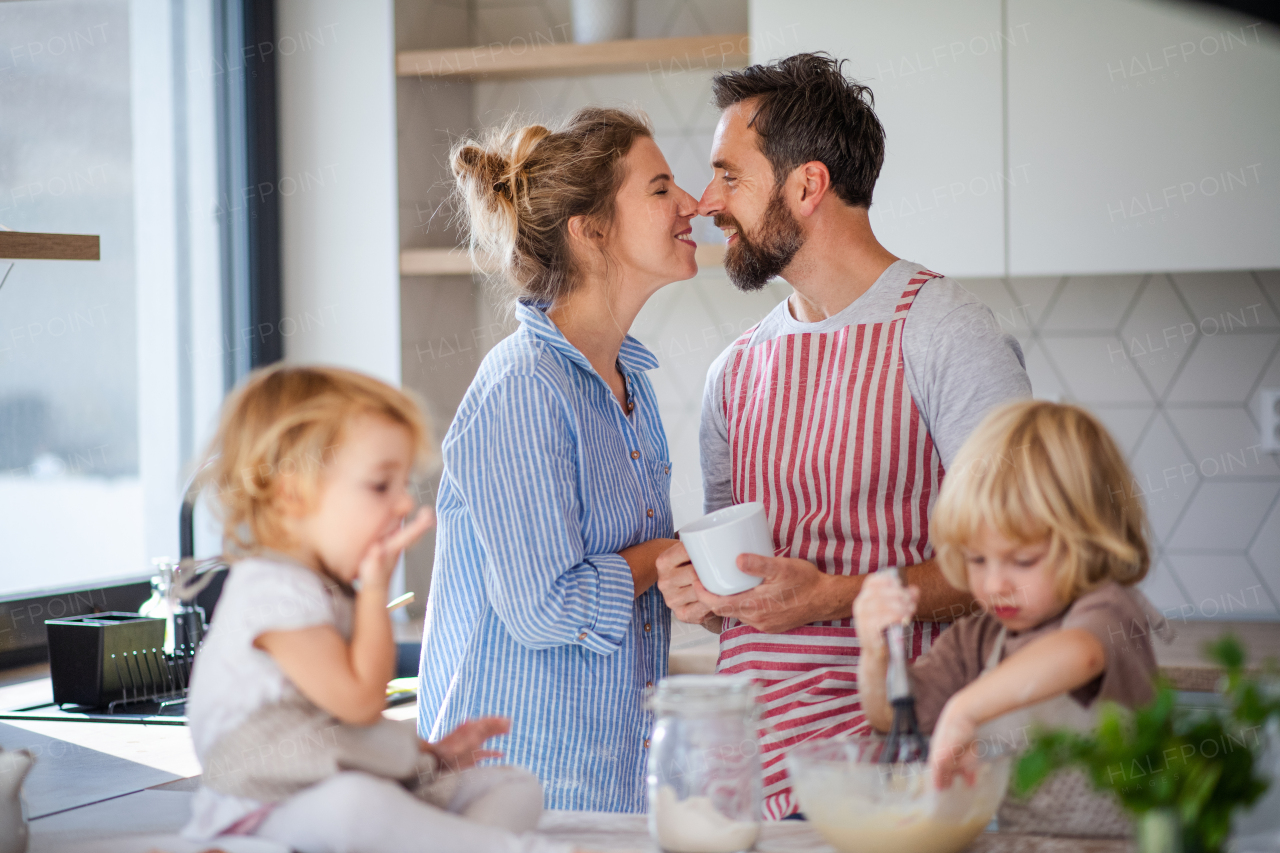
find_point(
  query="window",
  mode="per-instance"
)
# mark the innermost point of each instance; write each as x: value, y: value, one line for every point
x: 110, y: 371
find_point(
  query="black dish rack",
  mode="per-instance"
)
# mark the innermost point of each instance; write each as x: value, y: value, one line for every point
x: 118, y: 662
x: 118, y: 666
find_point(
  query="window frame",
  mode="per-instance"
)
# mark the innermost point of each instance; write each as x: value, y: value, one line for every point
x: 207, y: 256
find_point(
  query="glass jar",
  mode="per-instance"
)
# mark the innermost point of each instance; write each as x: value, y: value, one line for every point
x: 704, y: 764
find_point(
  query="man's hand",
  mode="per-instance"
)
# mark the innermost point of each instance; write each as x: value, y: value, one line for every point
x: 793, y: 593
x: 460, y: 749
x: 785, y: 599
x: 680, y: 587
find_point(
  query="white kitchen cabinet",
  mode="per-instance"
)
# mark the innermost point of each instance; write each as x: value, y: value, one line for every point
x: 1151, y: 134
x: 1141, y: 135
x: 935, y: 69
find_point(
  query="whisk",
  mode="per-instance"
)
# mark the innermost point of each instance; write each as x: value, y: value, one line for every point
x: 905, y: 742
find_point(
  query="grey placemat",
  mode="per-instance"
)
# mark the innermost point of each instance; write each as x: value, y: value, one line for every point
x: 66, y: 775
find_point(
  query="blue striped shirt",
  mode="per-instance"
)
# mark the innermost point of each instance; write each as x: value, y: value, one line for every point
x: 532, y: 612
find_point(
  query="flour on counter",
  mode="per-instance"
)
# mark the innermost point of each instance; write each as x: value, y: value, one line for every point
x: 695, y: 825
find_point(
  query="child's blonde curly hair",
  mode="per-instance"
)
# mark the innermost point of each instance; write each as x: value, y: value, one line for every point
x: 287, y: 422
x: 1035, y: 470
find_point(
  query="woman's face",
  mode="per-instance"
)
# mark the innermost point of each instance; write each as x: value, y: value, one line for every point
x: 651, y: 238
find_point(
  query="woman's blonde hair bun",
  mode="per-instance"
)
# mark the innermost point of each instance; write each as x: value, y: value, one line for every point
x: 493, y: 181
x: 518, y: 187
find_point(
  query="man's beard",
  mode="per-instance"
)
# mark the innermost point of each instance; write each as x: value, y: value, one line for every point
x: 750, y: 264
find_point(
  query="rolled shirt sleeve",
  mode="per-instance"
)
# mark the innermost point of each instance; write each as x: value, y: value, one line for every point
x: 516, y: 467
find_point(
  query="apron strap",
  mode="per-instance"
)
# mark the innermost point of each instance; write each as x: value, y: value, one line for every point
x: 909, y: 295
x: 993, y: 659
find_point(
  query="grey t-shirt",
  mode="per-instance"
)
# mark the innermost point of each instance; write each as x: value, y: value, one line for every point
x: 959, y: 365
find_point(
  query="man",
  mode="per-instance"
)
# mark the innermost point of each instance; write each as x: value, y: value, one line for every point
x: 840, y: 410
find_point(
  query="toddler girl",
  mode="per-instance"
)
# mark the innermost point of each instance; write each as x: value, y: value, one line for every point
x: 311, y: 469
x: 1038, y: 521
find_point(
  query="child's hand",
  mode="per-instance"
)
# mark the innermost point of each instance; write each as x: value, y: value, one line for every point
x: 951, y: 751
x: 380, y: 560
x: 882, y: 602
x: 460, y: 749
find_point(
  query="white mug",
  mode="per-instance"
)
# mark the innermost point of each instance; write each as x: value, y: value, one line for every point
x: 715, y: 541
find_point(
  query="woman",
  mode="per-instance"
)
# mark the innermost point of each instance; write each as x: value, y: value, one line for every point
x: 553, y: 506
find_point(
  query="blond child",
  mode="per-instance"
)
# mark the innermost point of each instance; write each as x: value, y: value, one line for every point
x: 1038, y: 521
x: 311, y: 468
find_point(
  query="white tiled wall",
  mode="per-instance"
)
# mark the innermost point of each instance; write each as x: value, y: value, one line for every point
x: 1173, y: 365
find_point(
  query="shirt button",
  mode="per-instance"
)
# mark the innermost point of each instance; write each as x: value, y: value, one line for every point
x: 646, y: 743
x: 635, y: 454
x: 647, y: 627
x: 582, y: 636
x: 649, y: 513
x: 648, y: 684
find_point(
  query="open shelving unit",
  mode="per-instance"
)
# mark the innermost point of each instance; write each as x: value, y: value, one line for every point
x: 541, y: 58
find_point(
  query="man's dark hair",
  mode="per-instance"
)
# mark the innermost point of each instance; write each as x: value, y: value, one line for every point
x: 806, y: 110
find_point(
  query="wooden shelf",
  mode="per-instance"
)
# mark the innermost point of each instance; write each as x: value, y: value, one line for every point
x: 29, y: 245
x: 435, y: 262
x: 457, y: 262
x: 544, y: 59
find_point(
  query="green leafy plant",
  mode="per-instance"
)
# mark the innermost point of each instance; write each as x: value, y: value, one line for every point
x: 1198, y: 763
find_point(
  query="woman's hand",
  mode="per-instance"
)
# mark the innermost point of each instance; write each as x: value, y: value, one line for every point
x: 951, y: 750
x: 380, y: 560
x: 460, y: 749
x: 881, y: 603
x: 643, y: 562
x: 679, y: 585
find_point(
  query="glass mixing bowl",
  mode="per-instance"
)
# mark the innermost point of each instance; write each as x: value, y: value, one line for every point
x: 860, y: 806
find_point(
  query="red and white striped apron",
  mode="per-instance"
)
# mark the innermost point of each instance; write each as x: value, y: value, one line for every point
x: 823, y: 429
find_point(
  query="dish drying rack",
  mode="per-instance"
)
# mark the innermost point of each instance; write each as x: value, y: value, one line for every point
x: 152, y: 677
x: 158, y: 675
x: 132, y: 667
x: 132, y: 664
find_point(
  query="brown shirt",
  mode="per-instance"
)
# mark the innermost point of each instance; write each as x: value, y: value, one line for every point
x: 1120, y: 617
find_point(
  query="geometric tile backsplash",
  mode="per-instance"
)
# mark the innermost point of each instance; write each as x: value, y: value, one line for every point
x: 1172, y: 363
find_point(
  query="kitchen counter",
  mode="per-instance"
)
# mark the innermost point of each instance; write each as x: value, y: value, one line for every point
x: 112, y: 788
x: 132, y: 783
x: 611, y: 832
x: 694, y: 650
x: 1183, y: 661
x: 152, y: 826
